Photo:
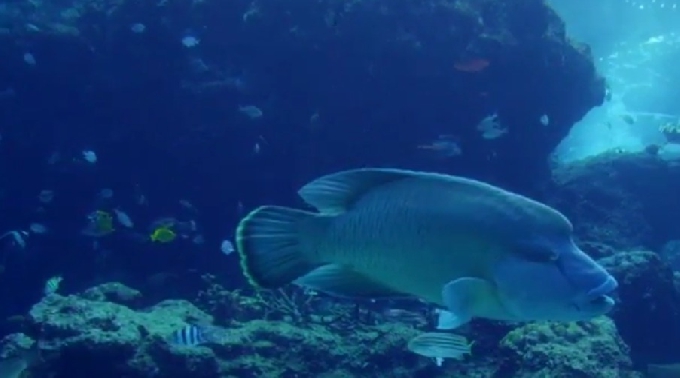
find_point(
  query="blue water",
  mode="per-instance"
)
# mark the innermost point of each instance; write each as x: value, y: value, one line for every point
x: 336, y: 90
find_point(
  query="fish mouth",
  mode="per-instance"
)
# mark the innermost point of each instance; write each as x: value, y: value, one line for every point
x: 600, y: 293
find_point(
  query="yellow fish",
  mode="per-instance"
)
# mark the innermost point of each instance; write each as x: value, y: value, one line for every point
x: 100, y: 223
x: 163, y: 235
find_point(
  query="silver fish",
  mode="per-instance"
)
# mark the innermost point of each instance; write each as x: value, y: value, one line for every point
x: 440, y: 345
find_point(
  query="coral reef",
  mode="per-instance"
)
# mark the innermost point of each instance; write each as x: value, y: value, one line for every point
x: 648, y: 315
x: 617, y: 203
x: 562, y: 350
x: 113, y: 292
x: 107, y: 339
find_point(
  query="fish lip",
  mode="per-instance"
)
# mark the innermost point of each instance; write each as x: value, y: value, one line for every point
x: 607, y: 287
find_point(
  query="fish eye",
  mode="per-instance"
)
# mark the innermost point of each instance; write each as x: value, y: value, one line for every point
x: 539, y: 253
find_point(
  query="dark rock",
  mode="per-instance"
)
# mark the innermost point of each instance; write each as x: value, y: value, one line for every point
x: 597, y: 250
x: 622, y: 200
x: 110, y: 340
x: 363, y: 66
x: 113, y: 292
x: 648, y: 315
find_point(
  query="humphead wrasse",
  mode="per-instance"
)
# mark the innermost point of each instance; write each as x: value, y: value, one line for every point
x: 472, y: 248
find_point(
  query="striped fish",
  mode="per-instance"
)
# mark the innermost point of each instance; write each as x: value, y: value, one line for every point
x: 192, y: 335
x: 440, y: 345
x: 52, y: 285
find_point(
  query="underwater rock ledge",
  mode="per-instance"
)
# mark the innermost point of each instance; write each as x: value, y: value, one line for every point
x: 623, y: 208
x: 106, y: 339
x: 618, y: 199
x: 364, y: 65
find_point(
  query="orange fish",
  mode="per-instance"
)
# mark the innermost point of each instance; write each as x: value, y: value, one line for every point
x: 472, y: 65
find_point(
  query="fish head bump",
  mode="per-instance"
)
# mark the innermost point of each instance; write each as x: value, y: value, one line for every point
x: 553, y: 280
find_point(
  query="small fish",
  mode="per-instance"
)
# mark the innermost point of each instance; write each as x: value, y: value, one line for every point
x: 18, y: 238
x: 163, y: 235
x: 52, y: 285
x: 30, y: 59
x: 99, y: 223
x: 105, y: 193
x: 181, y: 227
x: 227, y: 247
x: 252, y: 111
x: 188, y: 205
x: 445, y: 146
x: 198, y: 239
x: 491, y: 127
x: 472, y: 65
x: 440, y: 345
x: 123, y: 218
x: 405, y: 316
x: 138, y: 28
x: 469, y: 247
x: 193, y: 335
x: 190, y: 41
x: 37, y: 228
x: 89, y: 156
x: 54, y: 158
x: 653, y: 149
x: 544, y: 120
x: 46, y: 196
x: 627, y: 118
x: 32, y: 28
x: 315, y: 121
x: 140, y: 198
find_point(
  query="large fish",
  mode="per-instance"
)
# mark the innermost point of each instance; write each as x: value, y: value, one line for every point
x: 475, y: 249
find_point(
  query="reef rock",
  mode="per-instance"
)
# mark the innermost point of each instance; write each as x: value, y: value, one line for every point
x: 374, y: 71
x: 106, y: 339
x: 591, y: 349
x: 648, y: 313
x: 619, y: 200
x: 113, y: 292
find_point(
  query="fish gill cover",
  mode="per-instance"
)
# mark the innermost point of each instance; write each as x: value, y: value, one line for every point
x: 135, y: 135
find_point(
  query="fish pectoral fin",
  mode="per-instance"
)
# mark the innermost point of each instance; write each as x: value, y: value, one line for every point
x: 341, y: 281
x: 334, y: 193
x: 448, y: 320
x: 463, y: 297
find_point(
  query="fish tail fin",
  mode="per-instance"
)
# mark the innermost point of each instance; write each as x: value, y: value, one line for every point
x: 268, y: 241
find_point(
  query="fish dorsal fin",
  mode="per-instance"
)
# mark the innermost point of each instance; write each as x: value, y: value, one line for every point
x: 334, y: 193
